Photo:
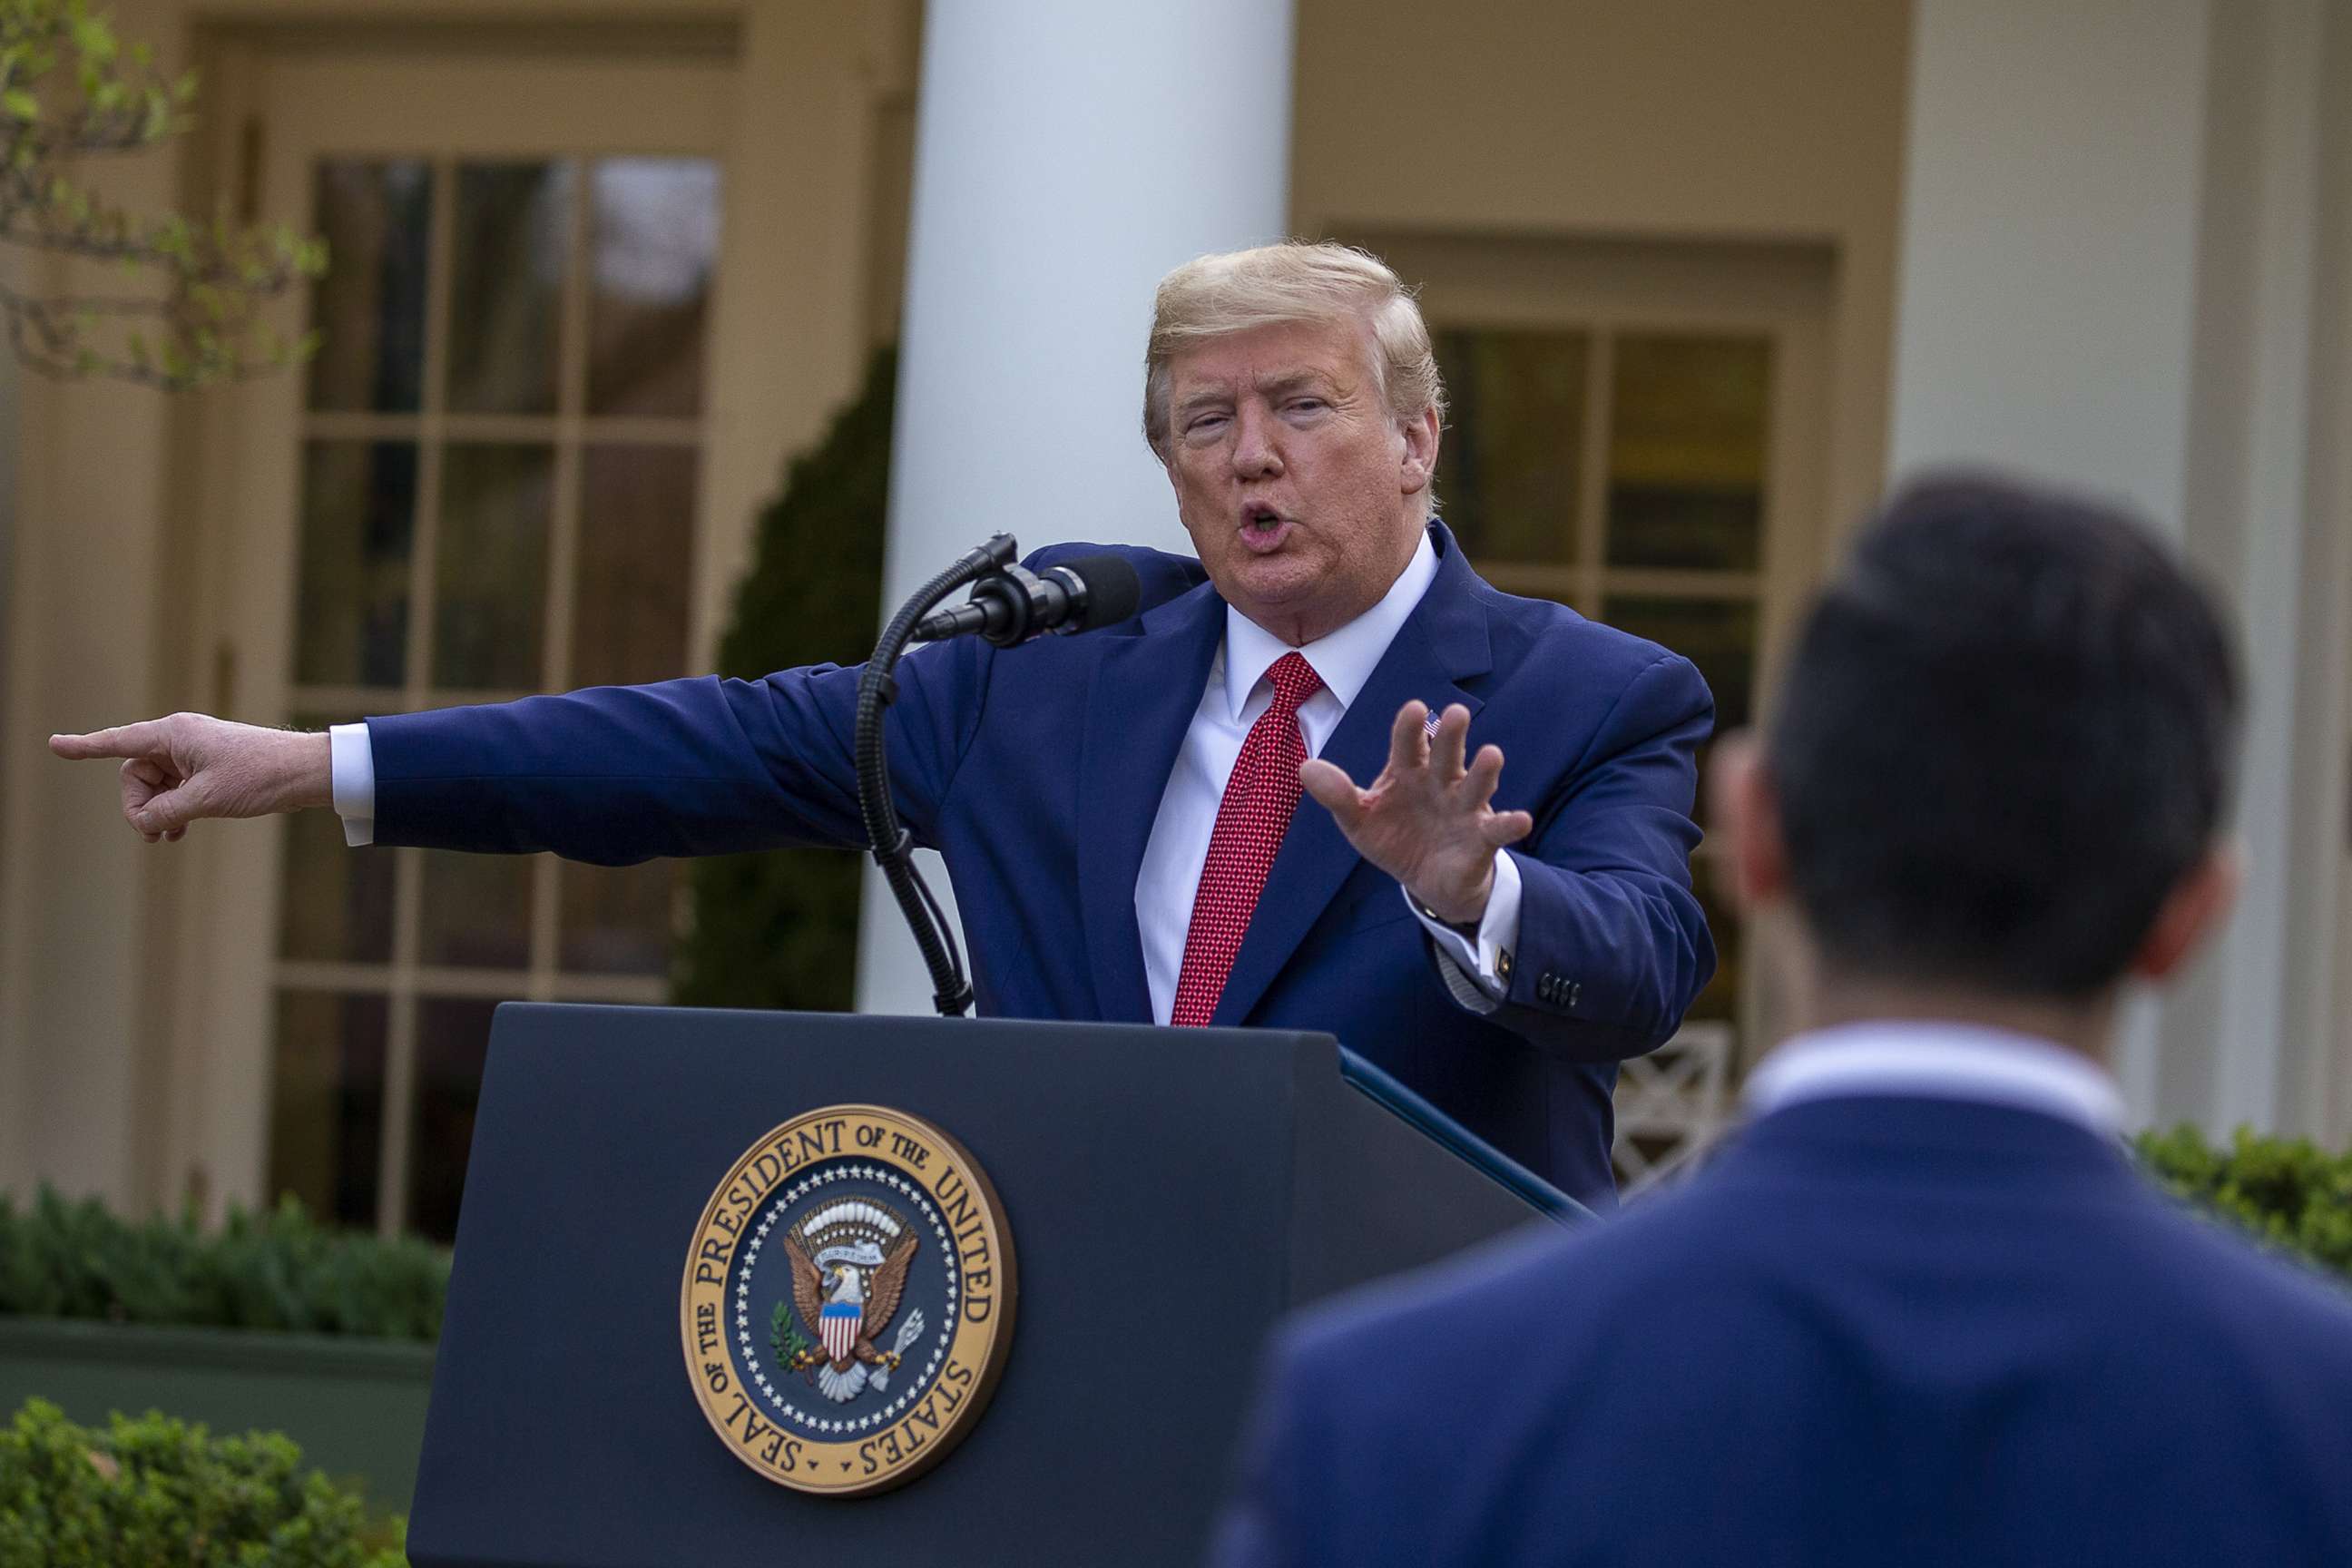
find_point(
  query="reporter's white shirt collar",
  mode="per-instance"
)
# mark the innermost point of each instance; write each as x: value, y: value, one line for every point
x: 1938, y: 1062
x: 1346, y: 659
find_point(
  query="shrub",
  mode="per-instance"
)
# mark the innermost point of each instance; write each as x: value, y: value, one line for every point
x: 65, y: 1259
x: 780, y: 930
x: 157, y: 1491
x: 2288, y: 1192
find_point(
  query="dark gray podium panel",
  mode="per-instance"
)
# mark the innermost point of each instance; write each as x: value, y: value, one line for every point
x: 1168, y: 1196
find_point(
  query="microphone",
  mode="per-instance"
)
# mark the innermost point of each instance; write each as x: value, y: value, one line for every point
x: 1013, y: 605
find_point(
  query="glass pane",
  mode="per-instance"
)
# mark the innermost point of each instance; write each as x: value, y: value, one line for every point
x: 636, y: 534
x: 326, y: 1106
x: 368, y: 308
x: 359, y: 513
x: 1686, y: 434
x: 477, y: 911
x: 655, y: 240
x: 616, y: 919
x: 1718, y: 635
x: 1508, y: 465
x: 506, y: 288
x: 453, y: 1036
x: 490, y: 597
x: 335, y: 902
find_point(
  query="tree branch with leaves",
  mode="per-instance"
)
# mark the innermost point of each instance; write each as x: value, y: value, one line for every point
x: 189, y: 312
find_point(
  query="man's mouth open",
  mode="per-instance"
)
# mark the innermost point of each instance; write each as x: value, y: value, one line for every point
x: 1264, y: 530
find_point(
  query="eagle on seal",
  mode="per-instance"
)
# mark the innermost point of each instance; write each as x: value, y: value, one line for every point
x: 850, y: 1307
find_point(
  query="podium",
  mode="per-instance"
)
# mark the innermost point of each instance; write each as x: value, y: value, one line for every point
x: 1168, y: 1194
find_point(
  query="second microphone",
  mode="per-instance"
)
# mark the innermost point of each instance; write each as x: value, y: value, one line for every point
x: 1015, y: 605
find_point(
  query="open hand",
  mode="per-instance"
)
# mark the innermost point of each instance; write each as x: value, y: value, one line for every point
x: 189, y: 766
x: 1427, y: 820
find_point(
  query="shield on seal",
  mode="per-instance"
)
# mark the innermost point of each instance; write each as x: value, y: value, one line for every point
x: 837, y: 1327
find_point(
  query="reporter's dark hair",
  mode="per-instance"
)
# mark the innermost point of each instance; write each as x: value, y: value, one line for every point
x: 2006, y: 733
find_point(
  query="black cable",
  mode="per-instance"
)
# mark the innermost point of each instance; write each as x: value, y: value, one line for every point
x: 892, y: 844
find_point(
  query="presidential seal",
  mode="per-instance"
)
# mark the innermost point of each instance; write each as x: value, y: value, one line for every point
x: 848, y: 1300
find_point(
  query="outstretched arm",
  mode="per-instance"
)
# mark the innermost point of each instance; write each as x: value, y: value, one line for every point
x: 616, y: 774
x: 609, y: 774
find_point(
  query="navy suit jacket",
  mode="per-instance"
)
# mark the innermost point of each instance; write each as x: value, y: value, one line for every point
x: 1037, y: 771
x: 1877, y: 1332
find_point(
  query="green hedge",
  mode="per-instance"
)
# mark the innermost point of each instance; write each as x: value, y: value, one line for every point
x: 780, y: 929
x: 2288, y: 1192
x: 157, y: 1491
x: 63, y: 1259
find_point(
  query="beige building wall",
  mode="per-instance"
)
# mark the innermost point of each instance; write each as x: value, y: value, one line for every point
x: 1696, y: 120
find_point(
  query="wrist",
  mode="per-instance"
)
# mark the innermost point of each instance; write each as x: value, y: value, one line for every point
x: 1462, y: 910
x: 310, y: 770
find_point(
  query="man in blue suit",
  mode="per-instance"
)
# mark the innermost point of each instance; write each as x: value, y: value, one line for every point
x: 1923, y: 1310
x: 1120, y: 812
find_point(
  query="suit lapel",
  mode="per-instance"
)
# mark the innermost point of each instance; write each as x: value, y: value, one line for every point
x: 1141, y: 701
x: 1441, y: 645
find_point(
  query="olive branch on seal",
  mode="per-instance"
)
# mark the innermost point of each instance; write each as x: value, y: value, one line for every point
x: 785, y: 1337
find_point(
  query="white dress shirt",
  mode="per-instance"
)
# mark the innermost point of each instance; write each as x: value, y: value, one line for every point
x: 1938, y: 1062
x: 1237, y: 692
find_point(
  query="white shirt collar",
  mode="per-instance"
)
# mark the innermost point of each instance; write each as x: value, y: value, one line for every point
x: 1347, y: 658
x: 1938, y: 1062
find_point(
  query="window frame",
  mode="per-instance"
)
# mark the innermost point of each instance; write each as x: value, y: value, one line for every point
x: 285, y: 106
x: 1609, y: 287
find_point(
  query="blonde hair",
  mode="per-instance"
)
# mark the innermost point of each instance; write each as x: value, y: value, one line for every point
x: 1294, y: 280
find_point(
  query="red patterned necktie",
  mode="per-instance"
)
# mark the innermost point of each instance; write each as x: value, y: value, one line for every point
x: 1251, y: 820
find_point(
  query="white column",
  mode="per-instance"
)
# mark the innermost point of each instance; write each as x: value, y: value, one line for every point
x: 2247, y: 521
x: 1068, y: 154
x: 2045, y: 310
x: 2113, y: 262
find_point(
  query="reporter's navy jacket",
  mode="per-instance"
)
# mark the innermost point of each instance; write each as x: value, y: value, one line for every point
x: 1037, y: 771
x: 1877, y: 1332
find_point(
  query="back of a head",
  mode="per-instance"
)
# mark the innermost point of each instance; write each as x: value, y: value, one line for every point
x: 2005, y: 736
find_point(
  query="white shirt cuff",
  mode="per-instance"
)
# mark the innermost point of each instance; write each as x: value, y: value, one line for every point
x: 353, y: 759
x: 1480, y: 976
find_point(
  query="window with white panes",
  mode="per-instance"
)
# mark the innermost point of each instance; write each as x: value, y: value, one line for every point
x: 1623, y: 470
x: 500, y: 448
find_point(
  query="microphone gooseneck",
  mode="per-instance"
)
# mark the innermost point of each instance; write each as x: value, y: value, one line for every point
x: 891, y: 845
x: 1009, y: 605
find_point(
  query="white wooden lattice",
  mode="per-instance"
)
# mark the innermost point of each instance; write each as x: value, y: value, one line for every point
x: 1672, y: 1104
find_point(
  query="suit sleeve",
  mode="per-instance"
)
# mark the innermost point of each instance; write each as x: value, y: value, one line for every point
x: 1265, y: 1521
x: 622, y: 774
x: 1613, y: 945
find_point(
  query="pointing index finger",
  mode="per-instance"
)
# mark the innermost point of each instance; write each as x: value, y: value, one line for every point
x: 123, y: 741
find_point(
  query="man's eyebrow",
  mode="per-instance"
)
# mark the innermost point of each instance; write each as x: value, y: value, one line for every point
x: 1278, y: 382
x: 1274, y: 384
